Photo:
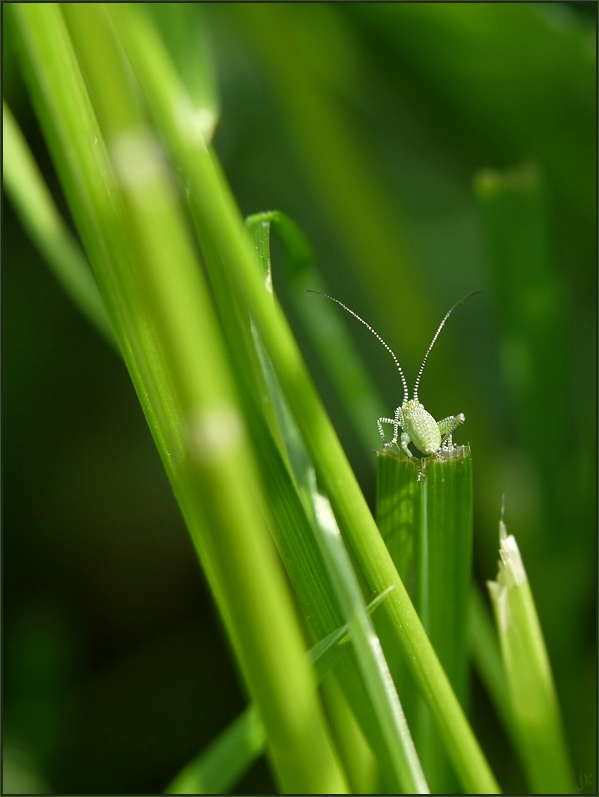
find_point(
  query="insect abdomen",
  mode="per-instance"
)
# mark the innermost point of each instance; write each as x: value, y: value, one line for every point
x: 422, y: 428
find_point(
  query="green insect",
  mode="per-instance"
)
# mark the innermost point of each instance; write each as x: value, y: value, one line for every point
x: 417, y: 425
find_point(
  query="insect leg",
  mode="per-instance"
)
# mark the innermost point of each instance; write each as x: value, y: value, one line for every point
x: 396, y: 421
x: 405, y: 439
x: 448, y: 425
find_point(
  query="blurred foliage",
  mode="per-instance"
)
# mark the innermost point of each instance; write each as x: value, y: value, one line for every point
x: 367, y: 124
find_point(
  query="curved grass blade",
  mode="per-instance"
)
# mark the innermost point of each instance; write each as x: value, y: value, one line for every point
x: 328, y: 332
x: 39, y: 215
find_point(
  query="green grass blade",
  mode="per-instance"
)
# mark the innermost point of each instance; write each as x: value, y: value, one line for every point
x: 212, y: 202
x: 218, y: 489
x: 297, y: 247
x: 532, y: 690
x: 40, y: 217
x: 445, y: 560
x: 444, y: 575
x: 80, y: 157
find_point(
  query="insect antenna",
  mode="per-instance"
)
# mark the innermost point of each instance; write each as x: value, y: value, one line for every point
x: 434, y: 340
x: 377, y: 336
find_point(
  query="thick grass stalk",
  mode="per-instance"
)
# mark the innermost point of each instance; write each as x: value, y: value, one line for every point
x: 181, y: 360
x: 425, y: 517
x: 532, y: 691
x: 212, y: 202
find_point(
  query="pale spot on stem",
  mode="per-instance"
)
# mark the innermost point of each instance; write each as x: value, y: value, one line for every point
x: 214, y: 433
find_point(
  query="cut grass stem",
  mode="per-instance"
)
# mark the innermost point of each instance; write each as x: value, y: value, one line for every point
x: 532, y: 692
x: 424, y: 511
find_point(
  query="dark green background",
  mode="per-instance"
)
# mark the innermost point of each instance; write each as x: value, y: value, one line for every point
x: 367, y: 124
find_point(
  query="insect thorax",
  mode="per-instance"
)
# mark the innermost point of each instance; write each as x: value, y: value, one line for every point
x: 421, y: 427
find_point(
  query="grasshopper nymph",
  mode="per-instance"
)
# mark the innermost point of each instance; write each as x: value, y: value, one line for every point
x: 417, y: 425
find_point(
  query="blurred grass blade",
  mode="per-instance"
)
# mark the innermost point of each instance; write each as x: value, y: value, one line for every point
x: 183, y: 31
x: 486, y: 657
x: 342, y: 169
x: 214, y: 207
x: 35, y: 207
x: 145, y: 262
x: 217, y: 769
x: 78, y: 149
x: 532, y: 310
x: 532, y: 691
x: 427, y: 525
